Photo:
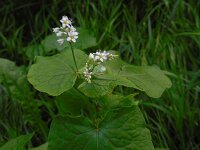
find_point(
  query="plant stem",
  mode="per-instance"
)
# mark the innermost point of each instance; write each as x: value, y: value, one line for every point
x: 73, y: 56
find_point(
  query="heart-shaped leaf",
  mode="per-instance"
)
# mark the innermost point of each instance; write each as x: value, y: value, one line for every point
x: 149, y: 79
x: 122, y: 129
x: 57, y: 73
x: 86, y: 39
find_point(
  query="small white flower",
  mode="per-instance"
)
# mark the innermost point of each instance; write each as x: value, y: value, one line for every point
x: 91, y: 56
x: 96, y: 58
x: 100, y: 56
x: 104, y: 57
x: 60, y: 41
x: 71, y: 39
x: 65, y: 22
x: 72, y: 36
x: 87, y: 74
x: 74, y: 33
x: 59, y: 33
x: 105, y: 54
x: 56, y: 29
x: 71, y: 28
x: 97, y: 53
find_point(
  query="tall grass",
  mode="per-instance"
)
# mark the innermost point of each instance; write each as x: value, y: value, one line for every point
x: 165, y: 33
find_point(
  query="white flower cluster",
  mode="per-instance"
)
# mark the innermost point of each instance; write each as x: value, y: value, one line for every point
x: 100, y: 57
x: 94, y: 60
x: 66, y: 31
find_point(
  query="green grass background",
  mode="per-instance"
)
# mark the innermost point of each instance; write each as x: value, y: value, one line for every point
x: 145, y: 32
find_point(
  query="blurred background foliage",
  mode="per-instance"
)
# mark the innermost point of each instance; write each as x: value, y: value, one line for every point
x: 145, y: 32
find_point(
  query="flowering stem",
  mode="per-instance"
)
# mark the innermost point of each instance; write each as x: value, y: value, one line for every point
x: 73, y: 56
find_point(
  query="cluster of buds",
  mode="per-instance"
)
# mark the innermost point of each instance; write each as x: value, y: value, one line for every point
x: 87, y: 73
x: 66, y: 31
x: 94, y: 60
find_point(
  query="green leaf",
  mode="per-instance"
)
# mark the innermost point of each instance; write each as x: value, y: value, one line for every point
x: 114, y: 68
x: 149, y: 79
x: 121, y: 129
x: 73, y: 102
x: 97, y: 88
x: 85, y: 40
x: 18, y: 143
x: 115, y: 101
x: 50, y: 43
x: 56, y: 74
x: 41, y: 147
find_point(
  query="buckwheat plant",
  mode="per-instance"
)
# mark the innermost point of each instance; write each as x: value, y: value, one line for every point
x: 93, y: 112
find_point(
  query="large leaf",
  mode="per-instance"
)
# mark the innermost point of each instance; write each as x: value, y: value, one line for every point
x: 73, y: 102
x: 85, y: 40
x: 116, y: 101
x: 57, y: 73
x: 114, y: 69
x: 97, y: 88
x: 18, y: 143
x: 121, y: 129
x: 149, y: 79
